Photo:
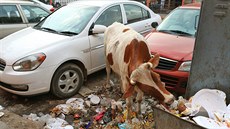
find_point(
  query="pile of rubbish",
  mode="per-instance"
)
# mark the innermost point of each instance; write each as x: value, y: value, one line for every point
x: 96, y: 111
x: 206, y: 108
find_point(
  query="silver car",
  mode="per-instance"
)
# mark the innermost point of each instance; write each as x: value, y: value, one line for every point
x: 59, y: 52
x: 16, y: 15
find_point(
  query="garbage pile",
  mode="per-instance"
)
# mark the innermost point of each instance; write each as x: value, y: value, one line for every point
x: 206, y: 108
x: 96, y: 111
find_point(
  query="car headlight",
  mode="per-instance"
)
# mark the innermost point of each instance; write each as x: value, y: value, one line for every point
x: 29, y: 63
x: 185, y: 66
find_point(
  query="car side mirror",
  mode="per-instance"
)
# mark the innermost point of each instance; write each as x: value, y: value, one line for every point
x: 98, y: 29
x: 154, y: 24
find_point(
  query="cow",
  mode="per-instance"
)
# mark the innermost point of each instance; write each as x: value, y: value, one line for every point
x: 127, y: 54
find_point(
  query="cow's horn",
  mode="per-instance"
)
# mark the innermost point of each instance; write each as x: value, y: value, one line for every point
x: 149, y: 65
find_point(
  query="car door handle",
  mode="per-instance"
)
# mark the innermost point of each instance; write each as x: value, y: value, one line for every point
x: 147, y: 25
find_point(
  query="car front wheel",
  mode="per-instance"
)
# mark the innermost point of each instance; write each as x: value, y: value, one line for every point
x: 67, y: 81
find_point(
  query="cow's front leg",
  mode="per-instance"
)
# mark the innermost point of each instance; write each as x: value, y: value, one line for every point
x: 139, y: 100
x: 108, y: 72
x: 129, y: 108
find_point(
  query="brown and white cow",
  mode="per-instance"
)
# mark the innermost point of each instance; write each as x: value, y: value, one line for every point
x: 127, y: 54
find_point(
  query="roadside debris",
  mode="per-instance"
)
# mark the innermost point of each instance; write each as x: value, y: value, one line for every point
x: 206, y: 108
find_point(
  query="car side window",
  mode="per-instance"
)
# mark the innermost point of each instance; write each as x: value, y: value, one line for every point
x: 9, y: 14
x: 34, y: 13
x: 135, y: 13
x: 109, y: 16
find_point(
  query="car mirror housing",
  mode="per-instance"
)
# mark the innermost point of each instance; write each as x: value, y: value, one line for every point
x: 154, y: 24
x: 98, y: 29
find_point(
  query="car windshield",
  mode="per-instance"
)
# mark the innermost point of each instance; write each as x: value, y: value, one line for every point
x: 182, y: 21
x: 68, y: 20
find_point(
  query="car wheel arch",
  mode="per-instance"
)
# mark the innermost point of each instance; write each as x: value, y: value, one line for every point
x: 69, y: 63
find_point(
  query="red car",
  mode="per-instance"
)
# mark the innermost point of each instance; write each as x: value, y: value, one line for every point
x: 174, y: 40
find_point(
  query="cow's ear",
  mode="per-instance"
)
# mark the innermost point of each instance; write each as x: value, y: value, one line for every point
x: 134, y: 77
x: 155, y: 60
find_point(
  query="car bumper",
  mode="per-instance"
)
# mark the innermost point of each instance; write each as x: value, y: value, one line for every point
x: 26, y: 83
x: 175, y: 81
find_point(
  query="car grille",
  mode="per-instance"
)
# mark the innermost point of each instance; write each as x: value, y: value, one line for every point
x: 2, y: 65
x: 169, y: 81
x: 166, y: 64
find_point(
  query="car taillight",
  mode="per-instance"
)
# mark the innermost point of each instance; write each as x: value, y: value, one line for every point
x: 52, y: 9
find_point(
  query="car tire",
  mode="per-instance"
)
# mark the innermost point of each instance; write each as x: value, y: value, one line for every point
x: 67, y: 81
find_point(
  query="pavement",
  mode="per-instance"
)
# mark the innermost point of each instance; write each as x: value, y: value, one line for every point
x: 11, y: 120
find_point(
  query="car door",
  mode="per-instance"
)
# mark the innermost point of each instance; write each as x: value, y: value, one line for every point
x: 11, y: 19
x: 34, y: 13
x: 138, y: 18
x: 106, y: 18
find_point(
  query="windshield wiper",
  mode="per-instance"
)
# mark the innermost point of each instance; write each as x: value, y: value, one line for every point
x: 181, y: 32
x: 48, y: 29
x: 68, y: 33
x: 166, y: 31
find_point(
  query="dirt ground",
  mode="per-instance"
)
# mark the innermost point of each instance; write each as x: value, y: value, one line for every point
x: 15, y: 106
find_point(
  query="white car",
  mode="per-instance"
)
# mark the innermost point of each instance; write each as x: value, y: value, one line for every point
x: 17, y: 14
x: 58, y: 53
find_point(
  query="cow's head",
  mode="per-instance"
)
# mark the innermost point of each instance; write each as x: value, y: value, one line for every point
x: 149, y: 82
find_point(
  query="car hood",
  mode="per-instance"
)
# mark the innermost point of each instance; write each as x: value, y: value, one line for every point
x: 170, y: 46
x: 26, y: 42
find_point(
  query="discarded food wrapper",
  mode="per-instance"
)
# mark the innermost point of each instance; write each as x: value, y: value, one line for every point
x: 77, y: 116
x: 209, y: 123
x: 135, y: 120
x: 1, y: 114
x: 76, y: 103
x: 1, y: 107
x: 57, y: 123
x: 32, y: 117
x: 123, y: 126
x: 44, y: 118
x: 99, y: 116
x: 75, y: 100
x: 109, y: 114
x: 94, y: 99
x: 62, y: 108
x: 87, y: 103
x: 144, y: 107
x: 62, y: 116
